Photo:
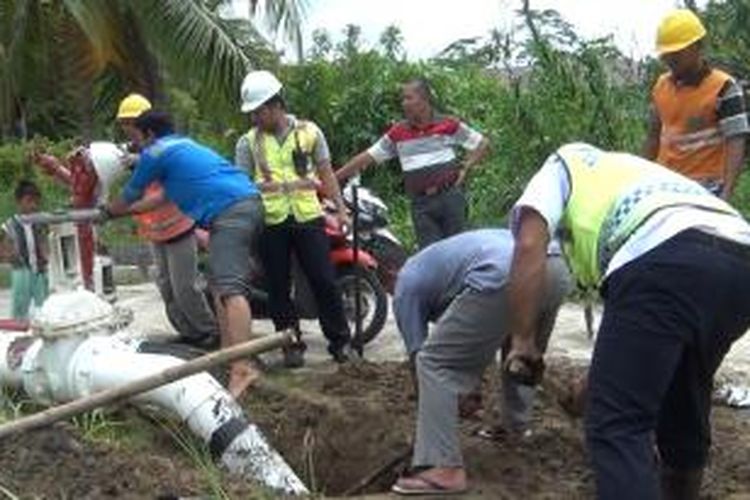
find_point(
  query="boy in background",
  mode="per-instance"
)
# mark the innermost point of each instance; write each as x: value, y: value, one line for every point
x: 26, y: 247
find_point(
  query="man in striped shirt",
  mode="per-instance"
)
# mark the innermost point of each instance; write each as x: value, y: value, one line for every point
x: 425, y: 145
x: 698, y: 123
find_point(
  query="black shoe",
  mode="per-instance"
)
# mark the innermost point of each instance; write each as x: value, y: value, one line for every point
x: 294, y: 355
x: 345, y: 354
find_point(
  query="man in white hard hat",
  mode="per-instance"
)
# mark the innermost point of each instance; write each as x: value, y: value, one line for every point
x: 87, y: 172
x: 174, y: 247
x: 289, y: 159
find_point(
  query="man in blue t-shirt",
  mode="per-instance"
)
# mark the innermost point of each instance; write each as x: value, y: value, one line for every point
x: 219, y: 197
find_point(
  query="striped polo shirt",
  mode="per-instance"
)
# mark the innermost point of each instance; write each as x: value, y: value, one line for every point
x: 427, y: 153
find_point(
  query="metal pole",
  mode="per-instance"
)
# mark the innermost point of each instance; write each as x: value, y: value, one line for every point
x: 355, y: 249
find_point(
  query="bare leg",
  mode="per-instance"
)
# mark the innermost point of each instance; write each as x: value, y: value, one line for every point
x: 236, y: 326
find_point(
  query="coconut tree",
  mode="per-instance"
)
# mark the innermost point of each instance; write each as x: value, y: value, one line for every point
x: 56, y: 55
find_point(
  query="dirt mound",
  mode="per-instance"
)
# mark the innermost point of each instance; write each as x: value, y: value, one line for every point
x: 57, y: 462
x: 54, y: 462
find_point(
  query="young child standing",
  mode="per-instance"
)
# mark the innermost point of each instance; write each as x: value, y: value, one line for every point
x: 28, y: 253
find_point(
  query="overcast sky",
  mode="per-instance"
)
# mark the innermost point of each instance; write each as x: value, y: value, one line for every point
x: 429, y: 26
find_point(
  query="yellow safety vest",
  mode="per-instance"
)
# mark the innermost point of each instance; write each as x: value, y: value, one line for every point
x: 612, y: 195
x: 287, y: 191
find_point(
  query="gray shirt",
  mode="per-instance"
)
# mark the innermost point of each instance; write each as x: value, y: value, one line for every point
x: 243, y: 156
x: 479, y: 260
x: 431, y: 279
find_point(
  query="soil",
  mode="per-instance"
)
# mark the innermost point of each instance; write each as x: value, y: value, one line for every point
x: 336, y: 428
x: 60, y: 463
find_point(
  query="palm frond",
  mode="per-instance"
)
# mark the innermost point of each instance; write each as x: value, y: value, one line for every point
x: 194, y: 44
x: 284, y: 16
x: 99, y: 22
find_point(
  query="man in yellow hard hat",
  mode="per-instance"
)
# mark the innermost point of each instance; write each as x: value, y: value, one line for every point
x: 173, y: 243
x: 697, y: 120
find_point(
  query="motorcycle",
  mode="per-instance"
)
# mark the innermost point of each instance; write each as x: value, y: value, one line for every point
x: 374, y: 235
x: 350, y: 274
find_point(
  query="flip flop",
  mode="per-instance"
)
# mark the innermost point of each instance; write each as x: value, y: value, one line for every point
x: 427, y: 487
x: 524, y: 369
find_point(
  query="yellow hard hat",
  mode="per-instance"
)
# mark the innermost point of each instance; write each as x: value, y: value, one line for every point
x: 679, y: 29
x: 132, y: 106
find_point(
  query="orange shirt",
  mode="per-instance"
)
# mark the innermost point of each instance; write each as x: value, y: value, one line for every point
x: 691, y: 142
x: 163, y: 223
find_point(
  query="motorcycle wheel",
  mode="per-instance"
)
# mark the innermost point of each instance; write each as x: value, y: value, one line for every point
x: 373, y: 301
x: 390, y: 257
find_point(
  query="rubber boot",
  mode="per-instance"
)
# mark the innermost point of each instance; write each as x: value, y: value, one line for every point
x: 680, y: 484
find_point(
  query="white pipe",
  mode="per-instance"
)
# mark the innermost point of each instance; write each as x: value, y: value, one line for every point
x: 60, y: 370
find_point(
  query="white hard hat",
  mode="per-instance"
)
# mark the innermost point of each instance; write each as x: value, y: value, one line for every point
x: 109, y: 161
x: 257, y: 88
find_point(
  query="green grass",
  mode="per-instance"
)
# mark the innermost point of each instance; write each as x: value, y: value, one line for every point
x: 13, y: 405
x: 100, y: 426
x: 199, y: 456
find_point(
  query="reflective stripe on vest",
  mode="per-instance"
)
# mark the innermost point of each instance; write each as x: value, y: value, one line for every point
x: 611, y: 196
x: 286, y: 192
x: 691, y: 142
x: 163, y: 223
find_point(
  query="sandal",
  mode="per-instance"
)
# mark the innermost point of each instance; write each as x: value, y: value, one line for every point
x: 420, y: 485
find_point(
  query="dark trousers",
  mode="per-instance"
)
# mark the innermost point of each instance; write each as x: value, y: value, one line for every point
x: 439, y: 215
x: 310, y: 245
x: 669, y: 319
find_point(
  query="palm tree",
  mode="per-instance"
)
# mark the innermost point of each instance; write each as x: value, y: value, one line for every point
x: 58, y: 54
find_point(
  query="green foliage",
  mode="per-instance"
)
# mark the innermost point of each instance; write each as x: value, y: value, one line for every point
x: 728, y: 35
x: 15, y: 165
x: 529, y: 90
x: 542, y: 97
x: 65, y: 64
